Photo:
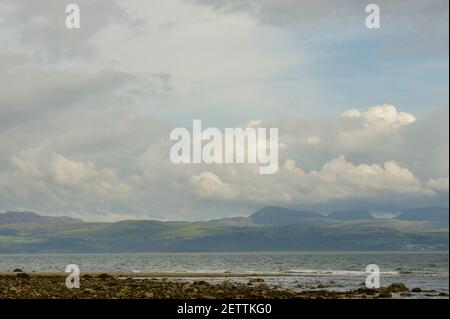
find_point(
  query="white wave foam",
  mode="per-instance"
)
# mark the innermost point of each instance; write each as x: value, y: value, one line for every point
x: 350, y: 273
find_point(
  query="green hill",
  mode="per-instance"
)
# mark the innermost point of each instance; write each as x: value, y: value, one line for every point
x: 156, y: 236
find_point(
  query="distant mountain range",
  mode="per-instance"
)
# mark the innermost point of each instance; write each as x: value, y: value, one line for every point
x: 279, y: 216
x: 351, y: 215
x: 30, y: 217
x: 439, y: 214
x: 269, y: 229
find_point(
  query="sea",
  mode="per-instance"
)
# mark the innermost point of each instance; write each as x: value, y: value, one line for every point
x: 337, y: 271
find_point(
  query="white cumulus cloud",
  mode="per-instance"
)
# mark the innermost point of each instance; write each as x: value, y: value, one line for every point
x: 440, y: 184
x: 209, y: 185
x: 381, y: 117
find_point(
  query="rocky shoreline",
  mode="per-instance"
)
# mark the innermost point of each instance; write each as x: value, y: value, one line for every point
x: 23, y: 285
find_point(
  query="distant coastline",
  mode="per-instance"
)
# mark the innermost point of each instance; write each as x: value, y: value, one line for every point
x: 269, y: 229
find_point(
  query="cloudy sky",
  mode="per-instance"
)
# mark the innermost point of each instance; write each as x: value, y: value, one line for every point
x: 85, y: 115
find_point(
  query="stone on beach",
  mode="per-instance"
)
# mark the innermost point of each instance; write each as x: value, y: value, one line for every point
x: 52, y: 286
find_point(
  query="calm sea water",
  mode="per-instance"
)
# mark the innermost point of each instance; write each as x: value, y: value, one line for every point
x: 339, y: 271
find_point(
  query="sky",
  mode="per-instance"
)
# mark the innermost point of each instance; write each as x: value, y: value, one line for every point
x: 86, y: 114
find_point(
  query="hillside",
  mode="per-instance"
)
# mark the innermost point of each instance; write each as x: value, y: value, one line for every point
x: 437, y: 214
x: 351, y: 215
x: 30, y: 217
x: 303, y: 234
x: 278, y: 216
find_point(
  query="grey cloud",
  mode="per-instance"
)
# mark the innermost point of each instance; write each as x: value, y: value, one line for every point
x: 78, y: 137
x: 89, y: 123
x: 285, y: 11
x: 142, y: 182
x: 425, y: 21
x: 29, y: 91
x: 280, y: 12
x: 40, y: 25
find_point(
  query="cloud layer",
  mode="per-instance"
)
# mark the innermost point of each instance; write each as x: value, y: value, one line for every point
x: 85, y: 117
x: 151, y: 185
